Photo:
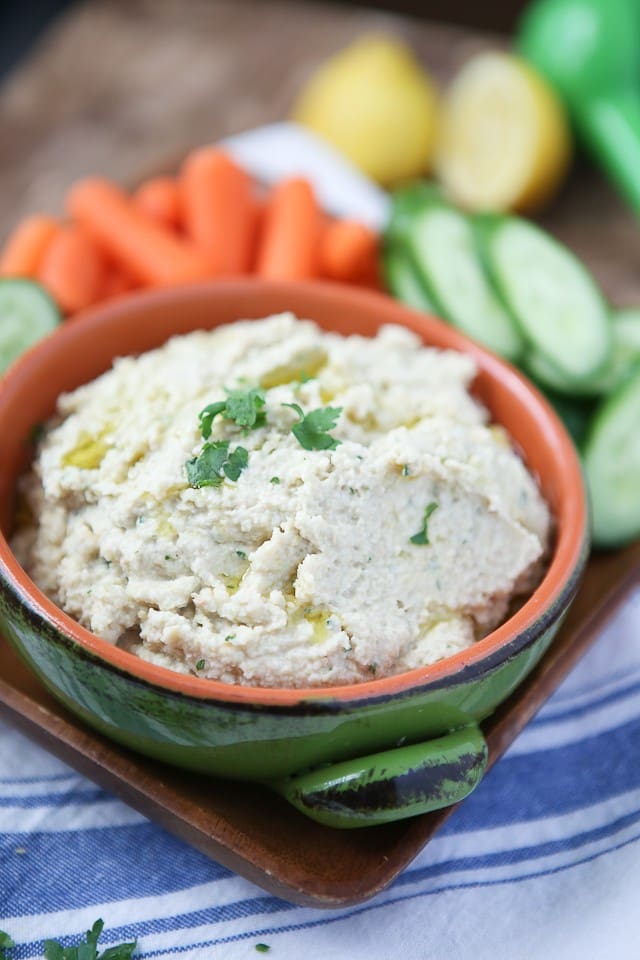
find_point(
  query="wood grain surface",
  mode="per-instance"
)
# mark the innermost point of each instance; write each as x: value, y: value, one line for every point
x: 117, y: 85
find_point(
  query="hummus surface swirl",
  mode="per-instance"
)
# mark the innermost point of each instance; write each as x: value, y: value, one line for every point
x: 400, y: 546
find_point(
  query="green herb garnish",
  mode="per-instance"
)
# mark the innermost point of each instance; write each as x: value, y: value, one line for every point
x: 214, y: 462
x: 274, y: 480
x: 243, y: 407
x: 201, y: 664
x: 241, y: 554
x: 405, y: 470
x: 263, y: 947
x: 88, y: 949
x: 229, y: 637
x: 208, y: 415
x: 311, y: 430
x: 421, y: 537
x: 5, y: 944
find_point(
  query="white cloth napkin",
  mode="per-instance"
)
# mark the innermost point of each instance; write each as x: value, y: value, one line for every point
x: 542, y: 862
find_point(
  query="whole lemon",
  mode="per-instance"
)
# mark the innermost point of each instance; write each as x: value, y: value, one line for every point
x: 375, y: 103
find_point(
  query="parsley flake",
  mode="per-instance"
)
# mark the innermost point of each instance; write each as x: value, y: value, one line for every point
x: 263, y: 947
x: 274, y: 480
x: 214, y: 462
x: 243, y: 407
x: 421, y: 538
x: 201, y: 664
x: 311, y: 429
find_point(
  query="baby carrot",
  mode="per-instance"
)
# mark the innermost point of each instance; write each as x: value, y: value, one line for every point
x: 159, y: 198
x: 117, y: 282
x: 151, y: 253
x: 73, y: 270
x: 23, y: 251
x: 219, y: 210
x: 349, y: 252
x: 289, y: 249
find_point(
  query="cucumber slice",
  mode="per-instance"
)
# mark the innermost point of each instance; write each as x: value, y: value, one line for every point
x: 612, y: 466
x: 624, y: 357
x: 402, y: 279
x: 547, y: 374
x: 406, y: 203
x: 27, y: 313
x: 552, y: 296
x: 625, y: 354
x: 442, y: 244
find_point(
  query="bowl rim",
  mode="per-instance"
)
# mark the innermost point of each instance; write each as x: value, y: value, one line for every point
x: 556, y: 587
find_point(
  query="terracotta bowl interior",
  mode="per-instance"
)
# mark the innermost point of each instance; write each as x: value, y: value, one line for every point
x: 85, y: 347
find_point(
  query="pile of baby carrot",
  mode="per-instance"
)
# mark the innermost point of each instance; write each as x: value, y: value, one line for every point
x: 209, y: 221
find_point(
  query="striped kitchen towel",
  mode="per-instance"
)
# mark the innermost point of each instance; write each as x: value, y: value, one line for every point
x: 542, y: 862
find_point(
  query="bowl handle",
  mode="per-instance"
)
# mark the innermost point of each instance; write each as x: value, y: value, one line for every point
x: 391, y: 785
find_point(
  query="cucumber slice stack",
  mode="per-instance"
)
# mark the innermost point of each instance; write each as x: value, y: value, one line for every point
x: 512, y: 287
x: 439, y: 242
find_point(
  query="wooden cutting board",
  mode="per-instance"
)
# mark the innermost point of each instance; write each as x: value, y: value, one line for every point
x: 170, y: 76
x: 117, y: 85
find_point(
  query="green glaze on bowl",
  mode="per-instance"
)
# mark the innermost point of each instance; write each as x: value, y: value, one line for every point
x: 346, y: 756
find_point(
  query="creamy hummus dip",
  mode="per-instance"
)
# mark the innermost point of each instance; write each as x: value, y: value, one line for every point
x: 273, y: 505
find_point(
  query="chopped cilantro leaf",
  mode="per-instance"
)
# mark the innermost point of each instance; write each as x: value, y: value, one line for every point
x: 88, y: 949
x: 263, y: 947
x: 241, y: 554
x: 422, y: 537
x: 55, y: 951
x: 311, y: 430
x: 205, y: 469
x: 236, y: 463
x: 244, y: 406
x: 208, y: 415
x: 214, y: 460
x: 5, y: 944
x: 405, y: 470
x: 241, y: 406
x: 274, y: 480
x: 229, y: 637
x: 201, y: 664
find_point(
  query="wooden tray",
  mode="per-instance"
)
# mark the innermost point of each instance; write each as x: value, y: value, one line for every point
x: 53, y: 142
x: 254, y: 832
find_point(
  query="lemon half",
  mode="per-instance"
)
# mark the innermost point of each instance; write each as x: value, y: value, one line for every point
x: 504, y: 141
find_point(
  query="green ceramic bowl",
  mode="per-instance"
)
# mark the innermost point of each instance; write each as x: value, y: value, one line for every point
x: 346, y: 756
